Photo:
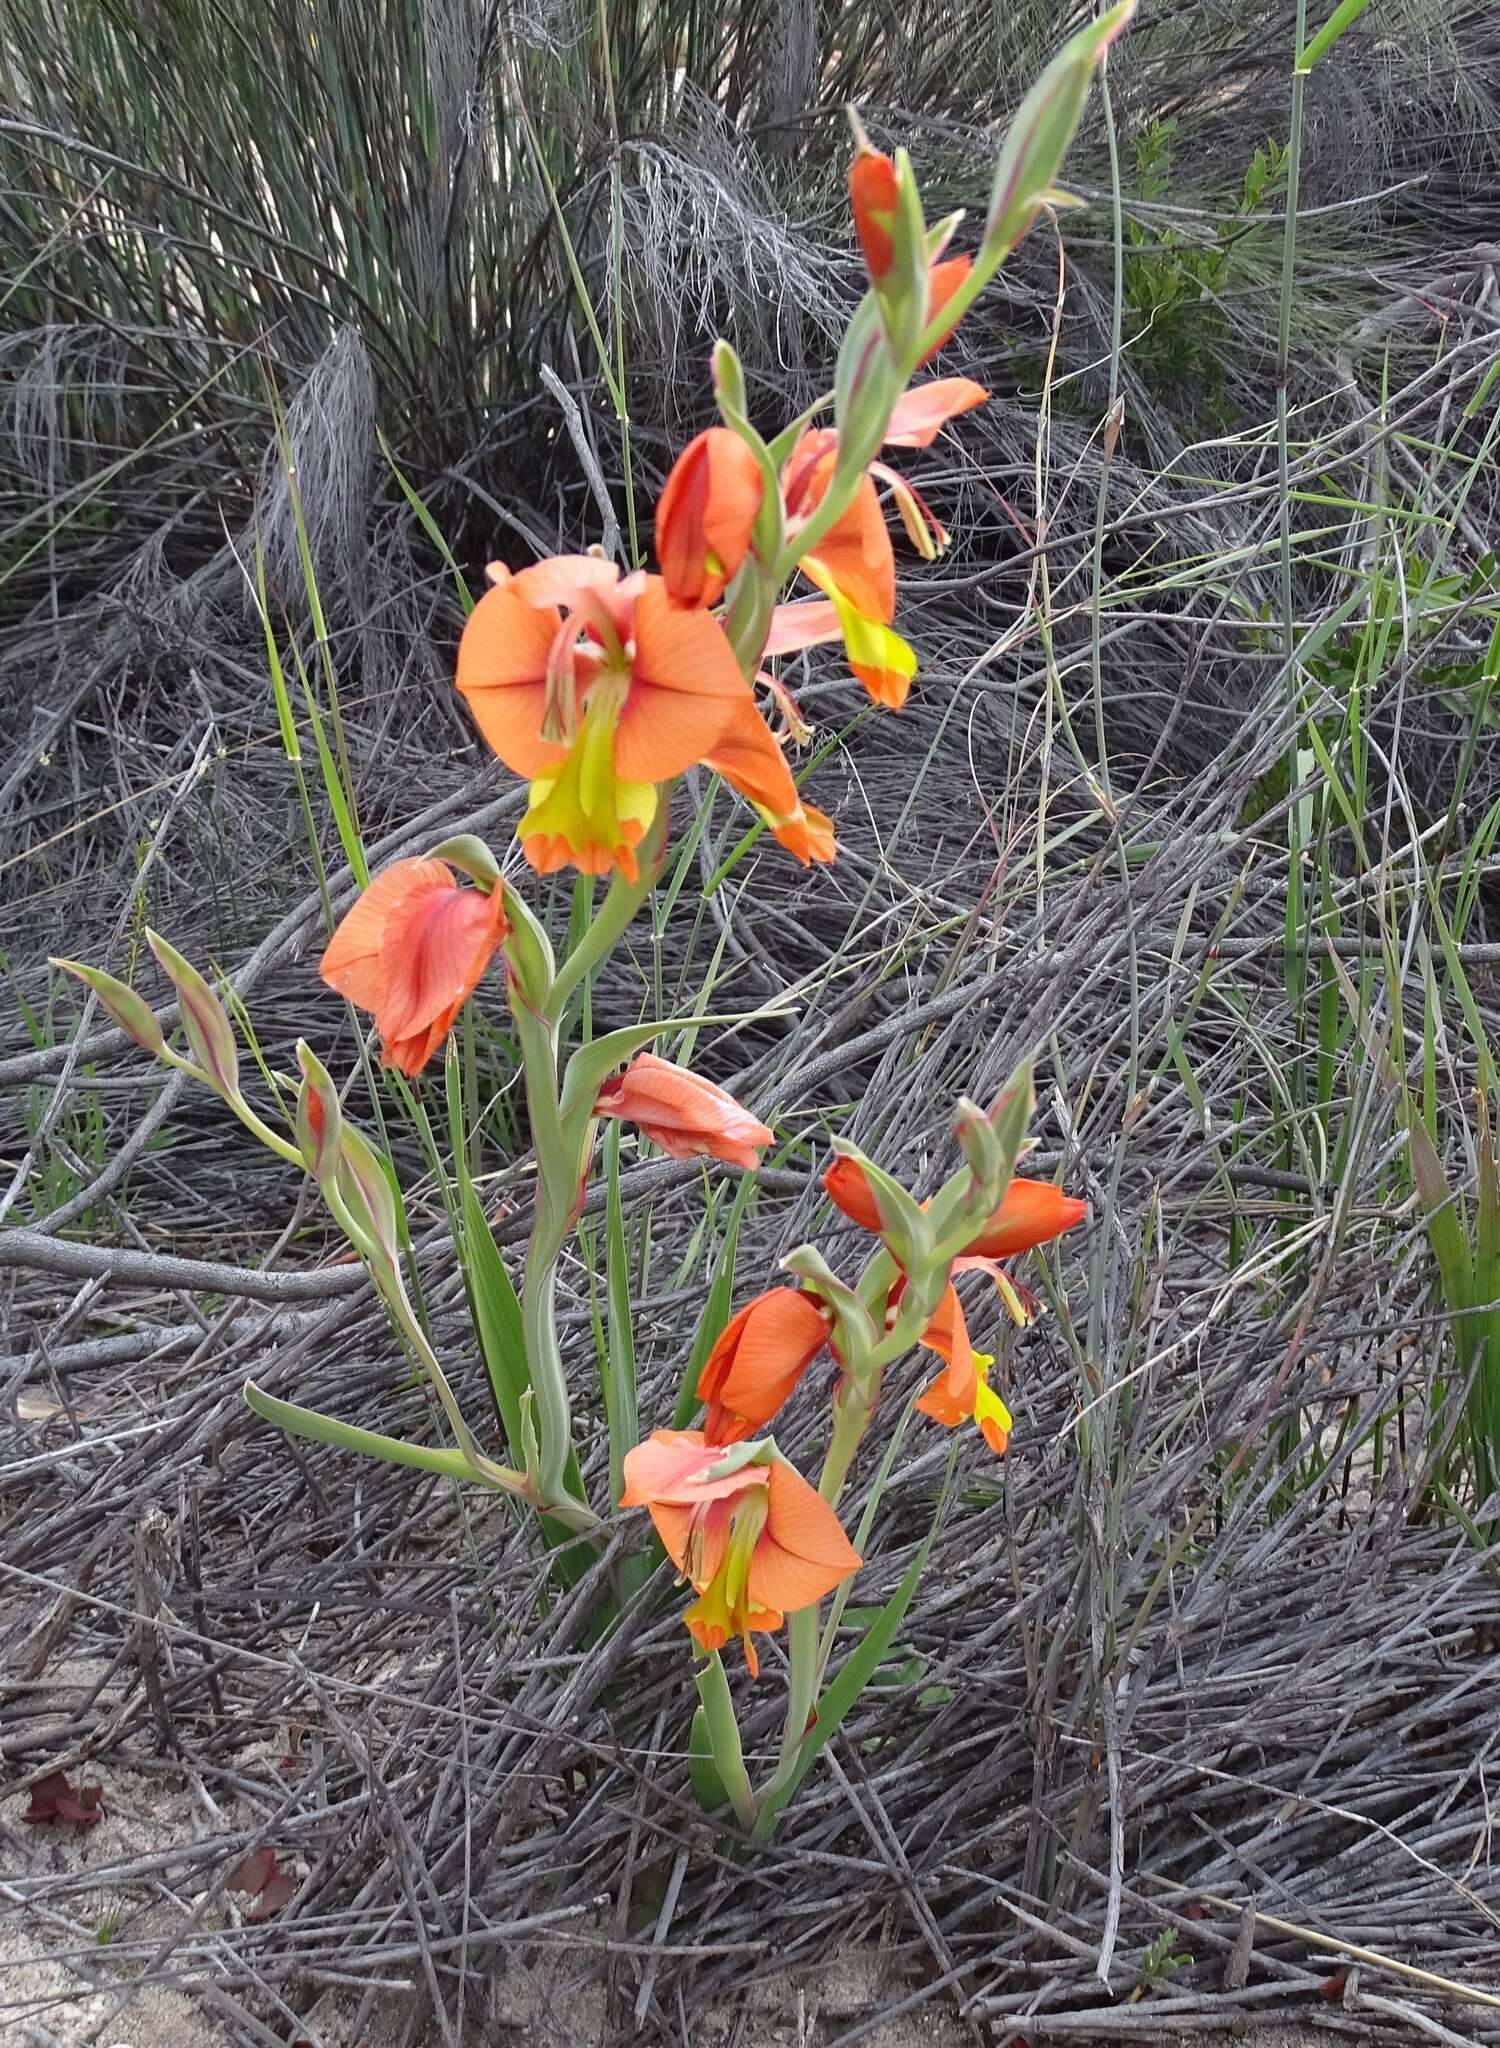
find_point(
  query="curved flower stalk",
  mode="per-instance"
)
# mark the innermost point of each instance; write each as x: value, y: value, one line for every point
x: 600, y: 687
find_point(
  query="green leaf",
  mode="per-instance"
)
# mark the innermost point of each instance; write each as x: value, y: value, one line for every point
x: 1343, y: 16
x: 708, y: 1786
x: 323, y: 1429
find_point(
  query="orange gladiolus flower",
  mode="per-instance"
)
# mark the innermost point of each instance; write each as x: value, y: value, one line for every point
x: 963, y: 1392
x: 756, y: 1543
x: 1032, y: 1213
x: 761, y: 1354
x: 411, y: 952
x: 599, y: 688
x: 853, y: 563
x: 873, y: 199
x: 687, y: 1116
x: 748, y: 757
x: 705, y: 516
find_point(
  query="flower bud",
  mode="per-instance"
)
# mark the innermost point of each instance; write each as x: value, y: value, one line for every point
x: 205, y: 1021
x: 980, y: 1144
x: 706, y: 515
x: 131, y: 1012
x: 470, y: 854
x: 874, y: 199
x: 366, y: 1189
x: 528, y: 951
x: 868, y: 1195
x: 319, y: 1119
x: 1045, y: 123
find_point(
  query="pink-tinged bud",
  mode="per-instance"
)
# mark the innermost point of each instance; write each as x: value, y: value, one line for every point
x: 1045, y: 123
x: 319, y: 1120
x: 687, y: 1116
x: 706, y: 514
x: 131, y: 1012
x: 874, y: 196
x: 205, y: 1022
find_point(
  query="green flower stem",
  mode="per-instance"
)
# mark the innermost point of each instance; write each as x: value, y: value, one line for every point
x: 387, y: 1280
x: 238, y: 1104
x: 559, y: 1176
x: 802, y: 1685
x: 615, y: 913
x: 724, y: 1738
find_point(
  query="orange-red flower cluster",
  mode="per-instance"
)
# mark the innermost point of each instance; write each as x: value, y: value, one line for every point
x: 1032, y: 1213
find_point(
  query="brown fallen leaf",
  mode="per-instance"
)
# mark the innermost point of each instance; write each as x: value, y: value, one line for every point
x: 254, y: 1874
x: 270, y: 1888
x: 53, y: 1799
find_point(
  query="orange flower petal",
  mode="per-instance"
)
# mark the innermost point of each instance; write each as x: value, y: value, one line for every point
x: 705, y: 516
x: 1032, y: 1213
x: 921, y: 412
x: 873, y: 199
x: 672, y: 1527
x: 855, y: 556
x: 686, y: 687
x: 687, y: 1116
x: 937, y: 1402
x: 803, y: 1552
x: 565, y: 579
x: 948, y: 1335
x: 811, y: 623
x: 847, y: 1186
x: 758, y: 1360
x: 746, y: 755
x: 351, y: 961
x: 502, y: 672
x: 434, y: 951
x: 670, y: 1467
x: 943, y: 280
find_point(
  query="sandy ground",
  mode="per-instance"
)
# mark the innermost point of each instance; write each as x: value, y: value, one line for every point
x: 68, y: 1967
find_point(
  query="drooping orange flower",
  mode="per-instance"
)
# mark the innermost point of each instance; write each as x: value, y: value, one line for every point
x: 963, y: 1392
x: 705, y: 516
x: 873, y: 200
x: 749, y: 758
x: 598, y: 688
x: 411, y: 952
x: 1032, y: 1212
x: 853, y: 563
x: 687, y: 1116
x: 761, y: 1354
x: 755, y: 1543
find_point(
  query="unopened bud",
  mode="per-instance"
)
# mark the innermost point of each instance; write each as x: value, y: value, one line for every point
x: 205, y: 1022
x: 1045, y: 124
x: 319, y: 1119
x: 131, y: 1012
